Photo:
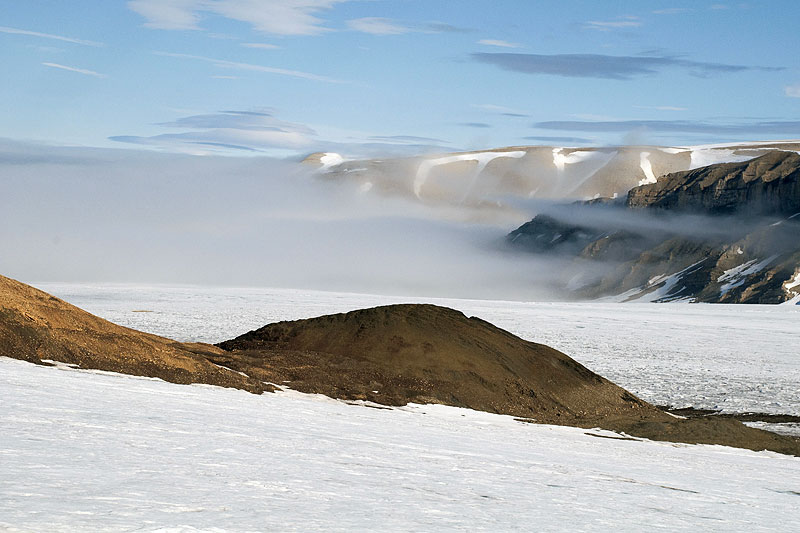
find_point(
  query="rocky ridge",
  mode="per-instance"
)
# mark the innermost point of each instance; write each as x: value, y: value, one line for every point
x: 724, y: 233
x: 390, y: 355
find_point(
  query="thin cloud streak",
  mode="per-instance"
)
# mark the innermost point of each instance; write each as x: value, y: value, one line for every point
x: 278, y: 17
x: 250, y: 66
x: 501, y: 44
x: 605, y: 66
x: 377, y: 26
x: 791, y: 127
x: 606, y: 25
x: 17, y: 31
x: 73, y: 69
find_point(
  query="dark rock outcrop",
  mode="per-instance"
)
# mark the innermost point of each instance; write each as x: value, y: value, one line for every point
x: 727, y: 233
x: 769, y: 184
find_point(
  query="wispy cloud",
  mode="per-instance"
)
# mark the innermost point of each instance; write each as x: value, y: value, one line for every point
x: 606, y: 25
x: 791, y: 127
x: 17, y: 31
x: 661, y: 107
x: 496, y: 42
x: 77, y: 70
x: 792, y: 91
x: 547, y: 139
x: 263, y: 46
x: 278, y: 17
x: 501, y: 110
x: 605, y: 66
x: 228, y: 130
x: 378, y: 26
x: 249, y: 66
x: 475, y: 124
x: 406, y: 139
x: 442, y: 27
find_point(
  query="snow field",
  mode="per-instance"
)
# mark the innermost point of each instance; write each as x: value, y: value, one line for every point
x: 94, y: 451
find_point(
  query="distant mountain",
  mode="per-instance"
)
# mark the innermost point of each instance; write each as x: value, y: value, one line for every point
x: 726, y: 233
x: 491, y: 179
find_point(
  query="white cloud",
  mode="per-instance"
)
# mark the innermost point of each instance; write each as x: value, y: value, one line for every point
x: 605, y: 25
x: 377, y: 26
x: 278, y: 17
x: 17, y: 31
x: 262, y: 46
x: 249, y: 66
x: 73, y: 69
x: 502, y: 44
x: 792, y: 91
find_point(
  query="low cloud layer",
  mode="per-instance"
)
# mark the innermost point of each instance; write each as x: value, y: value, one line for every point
x: 778, y: 127
x: 606, y: 66
x: 71, y: 214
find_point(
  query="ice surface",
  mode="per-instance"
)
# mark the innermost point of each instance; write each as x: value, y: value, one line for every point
x: 102, y: 452
x: 647, y: 168
x: 735, y: 358
x: 330, y: 159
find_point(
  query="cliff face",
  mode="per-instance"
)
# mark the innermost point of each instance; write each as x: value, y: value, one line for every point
x: 769, y: 184
x: 726, y: 233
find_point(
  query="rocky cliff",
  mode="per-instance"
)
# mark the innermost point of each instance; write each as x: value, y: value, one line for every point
x: 769, y: 184
x: 726, y: 233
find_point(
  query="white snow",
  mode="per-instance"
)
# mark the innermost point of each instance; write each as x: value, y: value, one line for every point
x: 647, y: 168
x: 101, y: 452
x: 790, y: 288
x: 704, y: 156
x: 735, y: 358
x: 672, y: 150
x: 560, y: 161
x: 330, y: 159
x: 482, y: 158
x: 736, y: 276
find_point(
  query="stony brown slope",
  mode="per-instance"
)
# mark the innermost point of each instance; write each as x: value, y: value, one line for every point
x: 397, y: 354
x: 35, y: 326
x: 391, y: 355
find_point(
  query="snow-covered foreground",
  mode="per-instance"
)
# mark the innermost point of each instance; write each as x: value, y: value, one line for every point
x: 93, y: 451
x: 737, y: 358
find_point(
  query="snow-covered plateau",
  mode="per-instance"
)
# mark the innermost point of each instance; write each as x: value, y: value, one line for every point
x: 96, y: 451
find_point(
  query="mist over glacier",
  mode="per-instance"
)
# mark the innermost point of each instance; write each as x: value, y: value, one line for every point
x: 79, y: 214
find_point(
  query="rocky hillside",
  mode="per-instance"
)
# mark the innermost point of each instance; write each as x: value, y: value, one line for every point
x: 37, y: 327
x: 489, y: 180
x: 723, y: 233
x: 391, y: 355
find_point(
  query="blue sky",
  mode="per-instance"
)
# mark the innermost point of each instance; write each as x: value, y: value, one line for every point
x: 396, y: 76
